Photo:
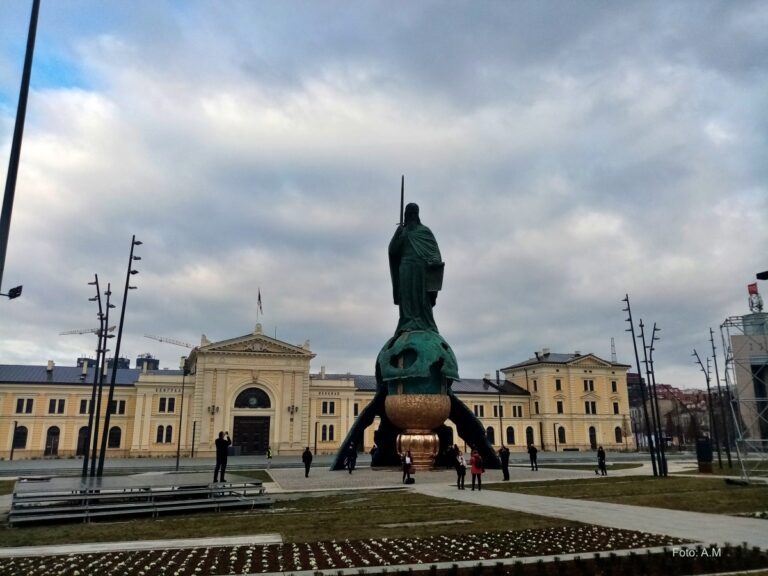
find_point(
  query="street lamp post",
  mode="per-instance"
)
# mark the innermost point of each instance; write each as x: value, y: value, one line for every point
x: 643, y: 391
x: 712, y: 421
x: 91, y: 407
x: 723, y: 414
x: 13, y: 438
x: 501, y: 426
x: 100, y: 372
x: 183, y: 366
x: 554, y: 434
x: 113, y: 378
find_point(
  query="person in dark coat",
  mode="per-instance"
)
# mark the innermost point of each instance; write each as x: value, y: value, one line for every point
x: 532, y: 453
x: 222, y: 449
x: 306, y: 457
x: 461, y: 471
x: 350, y: 459
x: 601, y: 461
x: 407, y: 464
x: 504, y: 455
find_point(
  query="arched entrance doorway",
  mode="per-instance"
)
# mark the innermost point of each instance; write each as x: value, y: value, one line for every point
x: 52, y: 441
x: 250, y: 432
x: 529, y: 435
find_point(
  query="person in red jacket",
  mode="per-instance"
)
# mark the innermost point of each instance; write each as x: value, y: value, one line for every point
x: 476, y: 468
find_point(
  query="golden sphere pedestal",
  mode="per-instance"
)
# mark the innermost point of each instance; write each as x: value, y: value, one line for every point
x: 418, y: 415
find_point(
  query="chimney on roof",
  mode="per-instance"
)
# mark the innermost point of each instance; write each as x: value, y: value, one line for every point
x: 545, y: 351
x: 322, y: 372
x: 537, y: 354
x: 577, y: 353
x: 50, y: 366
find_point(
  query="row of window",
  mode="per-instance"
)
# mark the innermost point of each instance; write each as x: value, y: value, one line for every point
x: 21, y: 434
x: 57, y: 406
x: 498, y: 411
x: 490, y: 433
x: 589, y: 385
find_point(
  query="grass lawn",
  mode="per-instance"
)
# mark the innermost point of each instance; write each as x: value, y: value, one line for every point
x: 6, y: 487
x: 677, y: 493
x: 619, y: 466
x: 306, y: 519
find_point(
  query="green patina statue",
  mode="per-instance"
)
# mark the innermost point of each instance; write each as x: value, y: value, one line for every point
x: 416, y: 366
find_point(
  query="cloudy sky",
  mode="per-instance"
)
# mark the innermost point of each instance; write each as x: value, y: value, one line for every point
x: 564, y: 154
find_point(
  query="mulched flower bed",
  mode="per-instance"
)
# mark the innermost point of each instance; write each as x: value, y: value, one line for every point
x: 330, y: 555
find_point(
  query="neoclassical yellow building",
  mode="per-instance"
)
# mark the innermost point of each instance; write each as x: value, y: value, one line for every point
x: 261, y: 391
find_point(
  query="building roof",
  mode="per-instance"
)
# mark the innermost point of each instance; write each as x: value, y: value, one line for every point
x: 21, y: 374
x: 463, y: 386
x: 557, y: 358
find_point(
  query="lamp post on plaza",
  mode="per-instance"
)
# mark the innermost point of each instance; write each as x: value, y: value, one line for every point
x: 91, y: 407
x: 13, y: 438
x: 712, y: 421
x: 129, y: 273
x: 643, y: 391
x: 100, y: 373
x: 554, y: 433
x: 184, y: 371
x: 501, y: 426
x: 724, y: 414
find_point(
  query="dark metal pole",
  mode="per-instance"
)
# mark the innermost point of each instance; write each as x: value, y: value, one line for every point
x: 647, y: 419
x: 181, y: 411
x: 18, y: 132
x: 662, y: 452
x: 101, y: 369
x: 723, y: 415
x: 13, y: 438
x: 554, y: 434
x: 316, y: 437
x: 501, y: 425
x: 712, y: 423
x: 113, y: 378
x: 652, y: 398
x: 194, y: 431
x: 101, y: 338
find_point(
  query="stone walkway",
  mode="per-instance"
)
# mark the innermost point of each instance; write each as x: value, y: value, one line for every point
x: 291, y: 483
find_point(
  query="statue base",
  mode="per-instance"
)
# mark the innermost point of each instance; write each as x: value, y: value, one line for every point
x: 424, y: 446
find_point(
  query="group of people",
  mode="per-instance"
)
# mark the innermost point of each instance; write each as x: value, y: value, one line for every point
x: 476, y: 465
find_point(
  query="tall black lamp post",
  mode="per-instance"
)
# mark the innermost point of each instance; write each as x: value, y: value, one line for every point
x: 113, y: 378
x: 100, y: 372
x: 184, y: 372
x: 712, y: 421
x: 101, y: 334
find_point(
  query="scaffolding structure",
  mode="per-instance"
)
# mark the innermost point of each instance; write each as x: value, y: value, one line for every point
x: 745, y: 346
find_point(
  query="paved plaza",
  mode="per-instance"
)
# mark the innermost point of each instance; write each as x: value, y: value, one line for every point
x: 291, y: 483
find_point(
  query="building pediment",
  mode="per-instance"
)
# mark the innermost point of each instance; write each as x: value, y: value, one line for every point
x: 589, y: 361
x: 258, y: 344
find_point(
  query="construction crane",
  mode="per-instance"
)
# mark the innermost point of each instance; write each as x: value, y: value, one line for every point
x: 169, y: 340
x: 85, y: 331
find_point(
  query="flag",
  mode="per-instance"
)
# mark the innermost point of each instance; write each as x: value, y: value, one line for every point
x: 258, y: 302
x: 752, y: 288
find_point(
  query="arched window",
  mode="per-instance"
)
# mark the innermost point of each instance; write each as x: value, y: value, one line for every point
x: 114, y: 437
x: 330, y: 433
x: 20, y: 438
x: 160, y: 434
x: 619, y: 435
x: 168, y: 434
x: 529, y: 435
x: 325, y: 433
x: 252, y: 398
x: 491, y: 435
x: 561, y: 435
x: 592, y: 438
x: 82, y: 441
x: 510, y: 435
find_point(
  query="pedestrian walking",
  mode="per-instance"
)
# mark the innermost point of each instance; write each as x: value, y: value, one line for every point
x: 222, y: 449
x: 306, y: 457
x: 532, y: 454
x: 269, y: 457
x: 601, y: 462
x: 350, y: 458
x: 407, y: 465
x: 461, y: 471
x: 504, y: 455
x: 476, y: 468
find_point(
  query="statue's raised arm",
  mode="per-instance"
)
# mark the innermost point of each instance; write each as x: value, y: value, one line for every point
x: 416, y: 268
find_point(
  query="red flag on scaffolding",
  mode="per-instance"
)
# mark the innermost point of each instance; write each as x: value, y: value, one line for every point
x: 752, y: 288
